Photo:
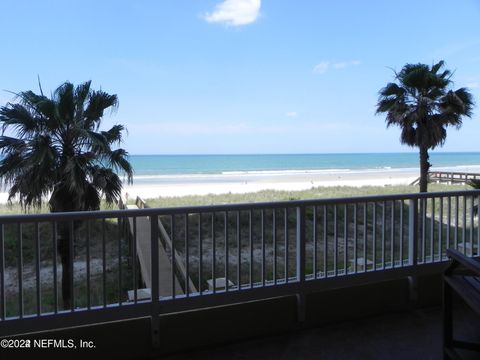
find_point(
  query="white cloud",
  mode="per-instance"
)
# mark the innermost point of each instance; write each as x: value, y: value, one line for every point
x: 235, y: 12
x: 291, y: 114
x: 473, y: 85
x: 322, y: 67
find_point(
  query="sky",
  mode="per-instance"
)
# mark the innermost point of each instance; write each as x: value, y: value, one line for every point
x: 242, y: 76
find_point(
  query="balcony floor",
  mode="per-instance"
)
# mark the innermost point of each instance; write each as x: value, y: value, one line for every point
x: 407, y: 335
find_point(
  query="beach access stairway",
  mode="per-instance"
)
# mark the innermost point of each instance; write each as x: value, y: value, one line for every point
x: 448, y: 177
x: 140, y: 230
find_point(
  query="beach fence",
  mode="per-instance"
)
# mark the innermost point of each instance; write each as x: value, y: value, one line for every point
x: 221, y: 255
x: 448, y: 177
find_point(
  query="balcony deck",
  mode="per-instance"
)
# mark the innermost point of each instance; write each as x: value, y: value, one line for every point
x: 414, y: 334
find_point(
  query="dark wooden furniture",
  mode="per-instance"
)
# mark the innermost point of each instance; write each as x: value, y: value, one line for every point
x: 462, y: 277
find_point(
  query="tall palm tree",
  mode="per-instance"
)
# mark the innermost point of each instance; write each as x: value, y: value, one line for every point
x: 52, y: 147
x: 422, y: 104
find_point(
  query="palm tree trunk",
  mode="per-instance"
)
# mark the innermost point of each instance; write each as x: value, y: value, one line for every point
x: 424, y: 167
x: 61, y: 201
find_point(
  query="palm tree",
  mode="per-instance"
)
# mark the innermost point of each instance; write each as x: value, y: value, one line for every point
x: 54, y: 148
x: 422, y: 104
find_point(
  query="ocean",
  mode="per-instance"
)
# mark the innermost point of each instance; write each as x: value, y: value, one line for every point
x: 159, y: 166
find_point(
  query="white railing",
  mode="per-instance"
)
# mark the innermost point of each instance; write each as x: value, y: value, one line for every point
x: 228, y: 254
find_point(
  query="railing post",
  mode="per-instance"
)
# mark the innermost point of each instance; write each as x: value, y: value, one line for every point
x: 301, y: 306
x: 412, y: 231
x: 413, y: 246
x: 155, y: 309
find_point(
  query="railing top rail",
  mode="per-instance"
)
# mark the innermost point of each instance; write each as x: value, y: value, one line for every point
x: 453, y: 173
x: 84, y: 215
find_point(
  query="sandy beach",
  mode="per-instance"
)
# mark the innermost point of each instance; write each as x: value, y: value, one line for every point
x: 244, y: 182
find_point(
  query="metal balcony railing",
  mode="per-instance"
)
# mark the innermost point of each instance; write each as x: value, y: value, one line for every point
x: 148, y: 262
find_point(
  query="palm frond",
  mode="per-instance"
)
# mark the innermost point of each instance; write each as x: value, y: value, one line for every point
x: 467, y: 99
x: 96, y: 141
x: 108, y: 183
x: 11, y: 167
x: 118, y: 160
x: 80, y: 98
x: 20, y: 119
x: 438, y: 66
x: 65, y: 105
x: 408, y: 136
x: 92, y: 198
x: 11, y: 145
x: 393, y: 90
x: 114, y: 135
x: 98, y: 102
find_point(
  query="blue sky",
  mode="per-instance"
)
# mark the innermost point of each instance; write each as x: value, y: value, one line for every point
x: 242, y: 76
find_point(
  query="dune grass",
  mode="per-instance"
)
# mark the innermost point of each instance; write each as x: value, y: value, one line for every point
x: 273, y: 195
x: 260, y: 196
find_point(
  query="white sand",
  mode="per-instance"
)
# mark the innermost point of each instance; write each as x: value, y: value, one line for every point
x: 253, y: 182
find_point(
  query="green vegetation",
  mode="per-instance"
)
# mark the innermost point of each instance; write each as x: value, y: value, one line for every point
x: 272, y: 195
x: 421, y: 103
